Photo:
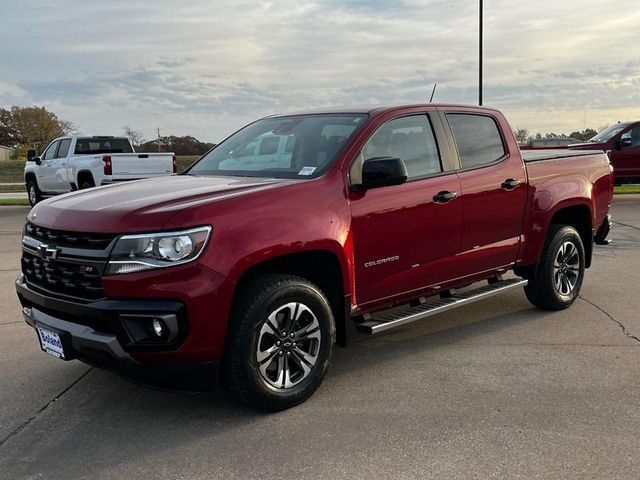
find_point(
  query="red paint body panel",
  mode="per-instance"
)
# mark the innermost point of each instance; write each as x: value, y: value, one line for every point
x: 483, y: 231
x: 583, y: 181
x: 205, y: 294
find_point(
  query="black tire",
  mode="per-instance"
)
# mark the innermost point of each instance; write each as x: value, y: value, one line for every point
x: 87, y: 183
x: 33, y: 192
x: 547, y: 289
x: 243, y: 373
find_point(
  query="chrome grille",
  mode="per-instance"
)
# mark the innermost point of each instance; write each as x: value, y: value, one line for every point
x: 90, y: 241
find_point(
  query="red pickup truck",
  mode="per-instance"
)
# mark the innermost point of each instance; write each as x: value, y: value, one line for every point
x: 622, y: 143
x: 305, y: 230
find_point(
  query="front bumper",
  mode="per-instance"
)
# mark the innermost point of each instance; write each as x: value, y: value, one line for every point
x: 90, y: 333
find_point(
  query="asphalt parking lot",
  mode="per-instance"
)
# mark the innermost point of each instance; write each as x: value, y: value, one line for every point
x: 494, y: 390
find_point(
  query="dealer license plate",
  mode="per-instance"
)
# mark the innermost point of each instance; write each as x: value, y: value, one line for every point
x: 50, y: 342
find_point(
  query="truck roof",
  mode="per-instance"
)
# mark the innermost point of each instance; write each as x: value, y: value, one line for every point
x: 96, y: 136
x: 376, y: 109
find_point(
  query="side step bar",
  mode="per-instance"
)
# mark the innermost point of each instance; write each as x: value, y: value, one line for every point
x: 390, y: 321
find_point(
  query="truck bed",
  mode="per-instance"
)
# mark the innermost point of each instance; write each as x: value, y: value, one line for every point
x: 541, y: 155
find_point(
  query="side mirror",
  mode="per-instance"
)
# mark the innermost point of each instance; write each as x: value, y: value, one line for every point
x: 624, y: 142
x: 382, y: 172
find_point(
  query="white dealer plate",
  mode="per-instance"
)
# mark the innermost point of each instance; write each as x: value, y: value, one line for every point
x: 50, y: 342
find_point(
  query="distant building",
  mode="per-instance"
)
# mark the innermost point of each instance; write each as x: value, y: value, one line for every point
x: 5, y: 152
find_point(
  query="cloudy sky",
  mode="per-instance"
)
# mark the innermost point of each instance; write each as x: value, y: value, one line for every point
x: 207, y: 67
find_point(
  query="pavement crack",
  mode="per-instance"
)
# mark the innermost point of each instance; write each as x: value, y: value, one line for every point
x: 613, y: 319
x: 24, y: 424
x: 626, y: 225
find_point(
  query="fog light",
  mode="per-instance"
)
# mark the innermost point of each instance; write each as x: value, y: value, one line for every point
x: 158, y: 327
x: 150, y: 329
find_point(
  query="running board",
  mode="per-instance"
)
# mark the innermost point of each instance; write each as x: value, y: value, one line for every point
x: 390, y: 321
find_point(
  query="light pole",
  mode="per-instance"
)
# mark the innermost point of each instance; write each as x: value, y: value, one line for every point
x: 480, y: 52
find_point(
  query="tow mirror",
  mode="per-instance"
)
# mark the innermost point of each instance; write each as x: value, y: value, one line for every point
x: 382, y: 172
x: 31, y: 155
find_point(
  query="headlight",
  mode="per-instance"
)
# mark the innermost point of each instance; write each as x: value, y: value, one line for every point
x: 134, y: 253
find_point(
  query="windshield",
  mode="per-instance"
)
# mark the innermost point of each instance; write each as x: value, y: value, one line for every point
x: 301, y: 146
x: 608, y: 134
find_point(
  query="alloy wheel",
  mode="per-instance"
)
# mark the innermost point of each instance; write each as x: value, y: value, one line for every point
x: 566, y: 269
x: 288, y: 345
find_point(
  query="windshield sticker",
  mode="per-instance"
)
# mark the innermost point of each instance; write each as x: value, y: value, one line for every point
x: 307, y: 170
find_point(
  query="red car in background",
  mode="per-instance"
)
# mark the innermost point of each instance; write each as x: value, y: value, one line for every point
x: 622, y: 143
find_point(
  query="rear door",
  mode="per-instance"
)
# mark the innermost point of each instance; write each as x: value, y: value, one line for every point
x: 626, y: 160
x: 404, y: 236
x: 493, y: 191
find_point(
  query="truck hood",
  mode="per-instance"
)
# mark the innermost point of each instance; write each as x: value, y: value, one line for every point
x: 143, y: 205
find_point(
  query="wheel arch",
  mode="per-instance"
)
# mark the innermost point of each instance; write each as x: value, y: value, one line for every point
x: 579, y: 217
x: 28, y: 176
x: 576, y: 215
x: 84, y: 174
x: 320, y: 266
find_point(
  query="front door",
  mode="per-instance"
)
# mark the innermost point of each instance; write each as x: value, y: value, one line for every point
x: 404, y: 235
x: 626, y: 161
x: 45, y: 173
x: 59, y: 167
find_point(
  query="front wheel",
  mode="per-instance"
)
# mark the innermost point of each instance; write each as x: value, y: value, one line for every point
x: 280, y: 342
x: 558, y: 278
x: 33, y: 192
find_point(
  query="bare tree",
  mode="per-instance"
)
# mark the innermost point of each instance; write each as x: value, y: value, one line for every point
x: 67, y: 127
x: 135, y: 136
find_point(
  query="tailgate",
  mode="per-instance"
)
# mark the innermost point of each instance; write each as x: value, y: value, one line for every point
x: 130, y: 166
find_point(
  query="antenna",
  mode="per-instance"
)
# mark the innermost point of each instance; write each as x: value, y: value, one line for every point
x: 435, y: 85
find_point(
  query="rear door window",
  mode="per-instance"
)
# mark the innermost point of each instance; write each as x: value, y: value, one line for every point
x: 63, y: 149
x: 478, y: 139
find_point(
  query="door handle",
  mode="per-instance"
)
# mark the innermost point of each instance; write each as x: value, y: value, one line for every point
x: 510, y: 184
x: 444, y: 197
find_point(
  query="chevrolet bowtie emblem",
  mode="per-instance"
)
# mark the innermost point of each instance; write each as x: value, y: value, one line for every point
x: 48, y: 253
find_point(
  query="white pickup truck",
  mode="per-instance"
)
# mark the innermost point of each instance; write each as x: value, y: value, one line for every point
x: 77, y: 162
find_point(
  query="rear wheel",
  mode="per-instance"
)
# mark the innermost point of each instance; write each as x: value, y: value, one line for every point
x: 87, y: 182
x: 560, y: 273
x: 281, y: 340
x: 33, y: 192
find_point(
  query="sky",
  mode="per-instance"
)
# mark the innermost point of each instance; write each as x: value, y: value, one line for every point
x: 206, y: 68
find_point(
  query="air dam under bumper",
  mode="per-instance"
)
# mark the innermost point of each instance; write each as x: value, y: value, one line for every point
x: 103, y: 350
